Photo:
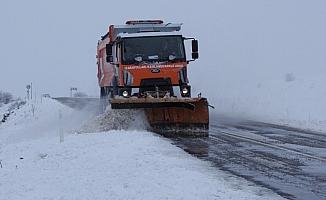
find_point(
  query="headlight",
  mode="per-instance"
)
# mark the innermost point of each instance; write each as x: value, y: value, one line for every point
x: 185, y: 90
x: 125, y: 93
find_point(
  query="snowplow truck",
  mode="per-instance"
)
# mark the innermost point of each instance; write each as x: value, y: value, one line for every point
x: 142, y: 65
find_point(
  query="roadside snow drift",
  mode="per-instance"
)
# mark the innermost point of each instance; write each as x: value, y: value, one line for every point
x: 37, y: 164
x: 294, y: 101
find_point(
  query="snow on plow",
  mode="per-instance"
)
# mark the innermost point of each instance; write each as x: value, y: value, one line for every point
x: 171, y: 116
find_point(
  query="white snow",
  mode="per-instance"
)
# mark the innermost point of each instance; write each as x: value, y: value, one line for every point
x: 35, y: 120
x: 116, y: 164
x: 294, y: 100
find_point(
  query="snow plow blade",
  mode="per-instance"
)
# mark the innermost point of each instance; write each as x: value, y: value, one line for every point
x: 172, y: 116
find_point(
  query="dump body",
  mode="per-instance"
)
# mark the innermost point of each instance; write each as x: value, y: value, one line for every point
x: 143, y: 65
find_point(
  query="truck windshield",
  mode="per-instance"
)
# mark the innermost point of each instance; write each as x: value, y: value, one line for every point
x: 152, y: 49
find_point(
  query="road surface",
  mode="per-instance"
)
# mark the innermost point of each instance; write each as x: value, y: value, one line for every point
x: 291, y: 162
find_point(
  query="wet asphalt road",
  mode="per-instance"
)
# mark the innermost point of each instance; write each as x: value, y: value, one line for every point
x: 289, y: 161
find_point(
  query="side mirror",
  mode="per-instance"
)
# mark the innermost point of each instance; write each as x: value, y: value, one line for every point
x: 109, y: 57
x: 195, y: 55
x: 108, y: 49
x: 194, y: 44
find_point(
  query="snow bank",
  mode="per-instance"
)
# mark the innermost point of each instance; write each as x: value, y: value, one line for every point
x: 34, y: 120
x: 114, y: 165
x: 292, y: 100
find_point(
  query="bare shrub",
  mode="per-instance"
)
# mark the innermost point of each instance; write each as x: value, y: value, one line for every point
x: 5, y: 97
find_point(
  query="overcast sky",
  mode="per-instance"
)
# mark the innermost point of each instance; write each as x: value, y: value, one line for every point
x: 53, y: 43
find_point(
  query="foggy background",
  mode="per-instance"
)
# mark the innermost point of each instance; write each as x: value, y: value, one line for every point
x: 258, y: 58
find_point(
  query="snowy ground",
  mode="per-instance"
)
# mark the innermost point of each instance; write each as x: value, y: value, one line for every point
x: 289, y: 99
x: 114, y: 164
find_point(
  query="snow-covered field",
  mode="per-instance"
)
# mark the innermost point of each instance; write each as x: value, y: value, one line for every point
x: 293, y: 100
x: 36, y: 163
